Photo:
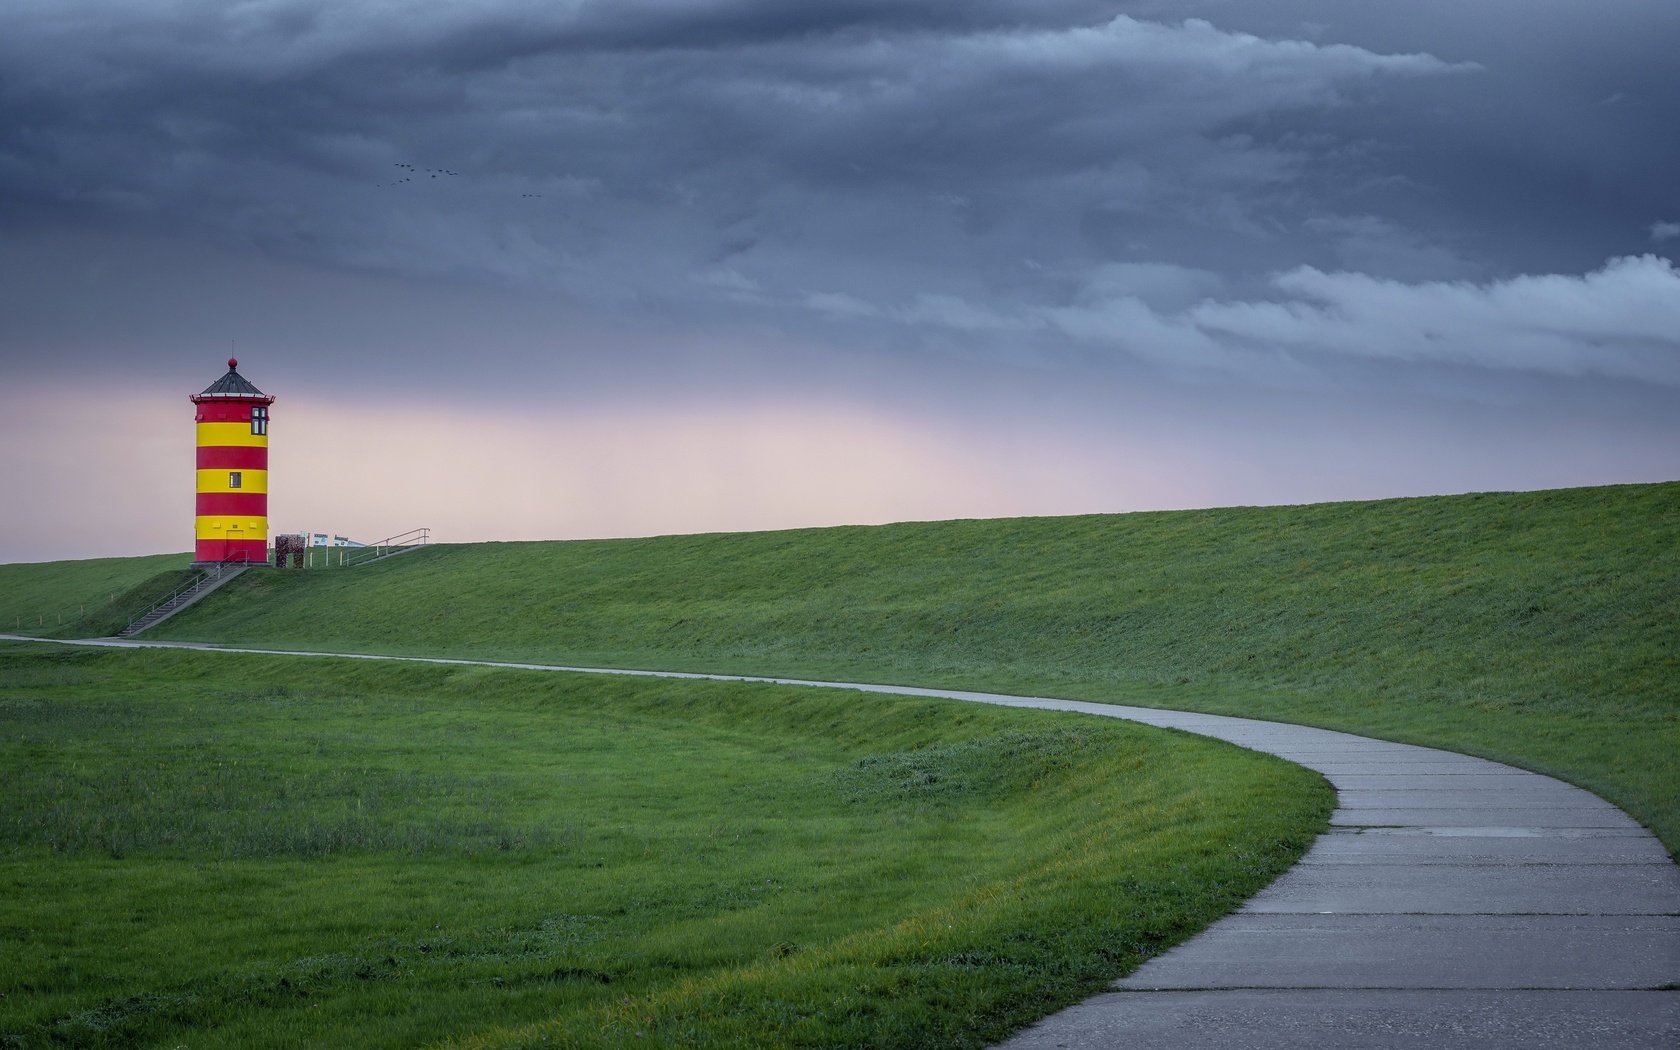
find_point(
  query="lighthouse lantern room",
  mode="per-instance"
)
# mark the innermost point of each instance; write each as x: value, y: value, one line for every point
x: 232, y: 510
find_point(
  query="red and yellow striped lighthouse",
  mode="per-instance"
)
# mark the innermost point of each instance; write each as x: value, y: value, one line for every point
x: 232, y: 522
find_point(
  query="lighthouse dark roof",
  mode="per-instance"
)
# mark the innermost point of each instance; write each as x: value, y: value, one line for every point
x: 232, y: 385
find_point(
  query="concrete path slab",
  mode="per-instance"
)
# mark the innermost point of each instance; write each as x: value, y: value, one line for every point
x: 1338, y: 765
x: 1319, y: 1019
x: 1469, y: 887
x: 1376, y: 846
x: 1506, y: 952
x: 1435, y: 778
x: 1491, y: 815
x: 1518, y: 793
x: 1455, y: 903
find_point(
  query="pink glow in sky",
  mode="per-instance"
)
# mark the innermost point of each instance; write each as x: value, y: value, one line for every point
x: 118, y: 479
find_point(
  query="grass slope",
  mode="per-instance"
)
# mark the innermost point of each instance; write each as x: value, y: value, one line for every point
x: 1536, y: 628
x: 74, y: 599
x: 217, y: 850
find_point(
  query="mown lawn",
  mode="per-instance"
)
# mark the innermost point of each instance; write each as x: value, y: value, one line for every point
x: 1535, y: 628
x: 215, y: 850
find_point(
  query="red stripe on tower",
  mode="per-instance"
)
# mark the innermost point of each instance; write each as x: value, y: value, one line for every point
x: 233, y: 505
x: 232, y: 457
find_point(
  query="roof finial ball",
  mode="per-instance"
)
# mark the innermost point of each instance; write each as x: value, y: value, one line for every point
x: 233, y: 362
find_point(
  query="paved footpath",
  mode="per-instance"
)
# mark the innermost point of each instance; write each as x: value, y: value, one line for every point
x: 1454, y: 903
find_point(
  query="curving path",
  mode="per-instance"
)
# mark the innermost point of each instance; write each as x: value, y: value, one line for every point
x: 1454, y: 903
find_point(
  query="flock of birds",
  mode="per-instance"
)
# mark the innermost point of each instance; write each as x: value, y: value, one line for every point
x: 409, y: 172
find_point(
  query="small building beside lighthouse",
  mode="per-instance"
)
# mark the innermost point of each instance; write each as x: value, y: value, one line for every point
x: 232, y: 505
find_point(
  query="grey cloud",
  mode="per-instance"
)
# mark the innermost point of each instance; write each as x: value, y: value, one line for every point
x: 1163, y: 286
x: 839, y: 304
x: 1621, y: 321
x: 1166, y: 340
x: 610, y: 150
x: 1373, y: 244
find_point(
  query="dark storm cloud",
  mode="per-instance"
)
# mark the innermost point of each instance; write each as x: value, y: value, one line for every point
x: 1018, y: 178
x: 1553, y: 158
x: 718, y: 122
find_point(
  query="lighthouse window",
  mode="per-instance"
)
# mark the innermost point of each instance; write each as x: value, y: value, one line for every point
x: 259, y: 420
x: 236, y: 478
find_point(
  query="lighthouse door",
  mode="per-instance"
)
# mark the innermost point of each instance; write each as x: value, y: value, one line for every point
x: 225, y: 536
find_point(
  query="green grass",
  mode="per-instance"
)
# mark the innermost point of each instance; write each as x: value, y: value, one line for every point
x: 215, y: 850
x: 76, y: 599
x: 1535, y: 628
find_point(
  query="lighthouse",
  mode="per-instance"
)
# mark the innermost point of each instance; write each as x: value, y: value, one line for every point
x: 232, y: 510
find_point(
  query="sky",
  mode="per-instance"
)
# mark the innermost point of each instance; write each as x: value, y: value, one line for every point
x: 539, y: 269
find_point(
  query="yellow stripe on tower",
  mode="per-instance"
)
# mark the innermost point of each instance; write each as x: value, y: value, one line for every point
x: 217, y: 480
x: 212, y: 527
x: 212, y: 434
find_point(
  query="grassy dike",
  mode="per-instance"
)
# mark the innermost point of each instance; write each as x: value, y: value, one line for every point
x: 216, y: 850
x: 79, y: 599
x: 1534, y: 628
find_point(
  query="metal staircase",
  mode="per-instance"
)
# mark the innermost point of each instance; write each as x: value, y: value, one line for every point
x: 211, y: 578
